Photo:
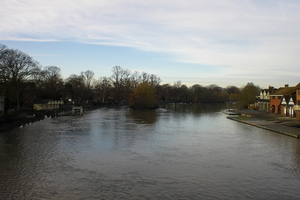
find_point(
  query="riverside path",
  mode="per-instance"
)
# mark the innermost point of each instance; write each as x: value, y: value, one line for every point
x: 272, y: 122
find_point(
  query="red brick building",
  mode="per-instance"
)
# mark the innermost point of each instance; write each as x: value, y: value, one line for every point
x: 286, y: 101
x: 297, y: 106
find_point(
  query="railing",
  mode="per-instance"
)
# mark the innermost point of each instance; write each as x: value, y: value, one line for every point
x: 76, y: 108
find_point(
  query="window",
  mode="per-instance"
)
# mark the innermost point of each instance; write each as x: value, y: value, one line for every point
x: 279, y: 97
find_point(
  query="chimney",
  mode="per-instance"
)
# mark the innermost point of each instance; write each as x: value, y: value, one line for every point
x: 286, y: 85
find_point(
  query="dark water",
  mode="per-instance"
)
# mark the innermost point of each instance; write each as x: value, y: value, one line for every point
x: 181, y: 152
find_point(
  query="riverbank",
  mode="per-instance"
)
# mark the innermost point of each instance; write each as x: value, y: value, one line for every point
x: 273, y: 122
x: 33, y: 116
x: 21, y: 122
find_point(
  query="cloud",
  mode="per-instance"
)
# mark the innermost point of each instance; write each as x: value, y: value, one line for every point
x: 232, y: 35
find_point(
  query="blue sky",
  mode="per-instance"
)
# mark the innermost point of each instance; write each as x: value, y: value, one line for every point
x: 223, y: 42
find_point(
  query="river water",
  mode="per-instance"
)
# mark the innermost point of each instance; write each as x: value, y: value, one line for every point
x: 180, y: 152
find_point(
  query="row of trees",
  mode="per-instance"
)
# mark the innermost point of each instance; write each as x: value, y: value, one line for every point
x: 24, y: 80
x: 208, y: 94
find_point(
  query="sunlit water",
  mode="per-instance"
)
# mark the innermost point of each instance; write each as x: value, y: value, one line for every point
x: 181, y: 152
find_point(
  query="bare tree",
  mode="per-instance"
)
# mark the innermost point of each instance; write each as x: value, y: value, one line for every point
x: 154, y: 80
x: 117, y: 80
x: 89, y: 77
x: 145, y: 77
x: 127, y: 86
x: 2, y: 47
x: 89, y: 83
x: 76, y: 86
x: 135, y: 79
x: 51, y: 73
x: 16, y: 68
x: 103, y: 87
x: 51, y: 83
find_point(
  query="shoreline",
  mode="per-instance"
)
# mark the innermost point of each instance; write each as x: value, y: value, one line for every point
x: 39, y: 115
x: 20, y: 122
x: 275, y: 123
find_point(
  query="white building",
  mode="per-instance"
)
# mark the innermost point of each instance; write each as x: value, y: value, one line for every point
x: 263, y: 100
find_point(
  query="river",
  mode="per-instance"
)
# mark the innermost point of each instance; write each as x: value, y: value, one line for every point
x: 177, y: 152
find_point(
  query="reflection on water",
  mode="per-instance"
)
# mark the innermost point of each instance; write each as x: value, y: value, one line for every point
x: 144, y: 116
x: 195, y: 109
x: 176, y: 152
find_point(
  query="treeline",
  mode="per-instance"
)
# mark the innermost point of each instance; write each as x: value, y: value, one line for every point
x: 23, y: 80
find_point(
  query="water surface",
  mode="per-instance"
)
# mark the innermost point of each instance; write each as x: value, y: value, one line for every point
x: 180, y: 152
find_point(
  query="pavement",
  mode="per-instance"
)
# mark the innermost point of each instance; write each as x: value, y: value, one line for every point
x: 273, y: 122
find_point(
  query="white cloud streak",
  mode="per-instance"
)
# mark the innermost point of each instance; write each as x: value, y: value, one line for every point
x: 237, y: 36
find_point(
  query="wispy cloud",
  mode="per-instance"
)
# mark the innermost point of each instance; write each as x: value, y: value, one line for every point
x: 232, y: 35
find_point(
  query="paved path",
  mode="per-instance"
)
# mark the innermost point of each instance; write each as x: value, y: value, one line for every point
x: 272, y: 122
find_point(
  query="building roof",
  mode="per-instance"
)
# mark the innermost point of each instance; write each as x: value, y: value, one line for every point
x: 268, y: 90
x: 284, y: 91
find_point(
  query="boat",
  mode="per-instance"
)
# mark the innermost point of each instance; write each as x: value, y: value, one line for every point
x: 231, y: 112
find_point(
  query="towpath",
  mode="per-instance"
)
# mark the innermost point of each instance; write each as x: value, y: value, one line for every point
x: 272, y: 122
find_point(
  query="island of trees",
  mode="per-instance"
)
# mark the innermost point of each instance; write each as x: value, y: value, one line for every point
x: 23, y: 81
